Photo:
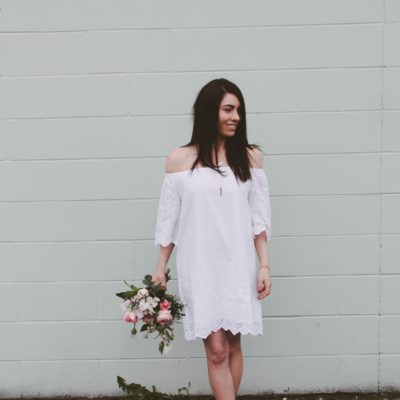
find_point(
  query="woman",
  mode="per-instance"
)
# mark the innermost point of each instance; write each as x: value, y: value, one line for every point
x: 214, y: 206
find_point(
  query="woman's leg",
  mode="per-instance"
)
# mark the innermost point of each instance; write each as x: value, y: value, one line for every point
x: 219, y: 374
x: 235, y: 359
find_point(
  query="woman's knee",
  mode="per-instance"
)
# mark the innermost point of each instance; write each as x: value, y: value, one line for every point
x: 218, y: 354
x: 217, y: 347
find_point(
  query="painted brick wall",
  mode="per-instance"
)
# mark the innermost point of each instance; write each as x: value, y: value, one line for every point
x: 93, y: 96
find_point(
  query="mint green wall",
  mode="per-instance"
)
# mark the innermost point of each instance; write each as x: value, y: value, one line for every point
x: 93, y: 96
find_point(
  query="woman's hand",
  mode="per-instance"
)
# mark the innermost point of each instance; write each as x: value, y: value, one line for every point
x: 264, y: 283
x: 160, y: 278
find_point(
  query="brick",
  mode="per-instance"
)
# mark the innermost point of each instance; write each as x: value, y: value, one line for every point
x: 44, y: 54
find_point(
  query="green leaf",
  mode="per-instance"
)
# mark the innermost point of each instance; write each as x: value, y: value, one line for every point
x: 168, y: 274
x: 127, y: 295
x: 147, y: 280
x: 131, y: 286
x: 169, y: 334
x: 161, y: 347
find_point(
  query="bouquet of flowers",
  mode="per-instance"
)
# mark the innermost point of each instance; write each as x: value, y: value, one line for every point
x: 154, y: 307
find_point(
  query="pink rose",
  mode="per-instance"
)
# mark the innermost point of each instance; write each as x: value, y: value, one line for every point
x: 131, y: 317
x: 165, y: 305
x: 164, y: 317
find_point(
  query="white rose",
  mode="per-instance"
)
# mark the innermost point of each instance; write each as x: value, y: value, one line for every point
x: 141, y: 294
x: 125, y: 305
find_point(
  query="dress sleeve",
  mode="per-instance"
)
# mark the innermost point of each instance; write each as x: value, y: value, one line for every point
x: 259, y: 203
x: 168, y: 212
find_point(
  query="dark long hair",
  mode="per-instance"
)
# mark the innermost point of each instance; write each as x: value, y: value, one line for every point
x: 205, y: 129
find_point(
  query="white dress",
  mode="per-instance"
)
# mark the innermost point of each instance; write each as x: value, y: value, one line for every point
x: 215, y: 252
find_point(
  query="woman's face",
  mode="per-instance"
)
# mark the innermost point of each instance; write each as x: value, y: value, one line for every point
x: 228, y: 115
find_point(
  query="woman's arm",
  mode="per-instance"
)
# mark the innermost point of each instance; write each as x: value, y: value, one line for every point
x: 172, y: 164
x: 261, y: 244
x: 264, y: 283
x: 163, y: 258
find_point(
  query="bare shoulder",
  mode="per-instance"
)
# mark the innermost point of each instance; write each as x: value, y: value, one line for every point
x: 177, y: 159
x: 256, y: 158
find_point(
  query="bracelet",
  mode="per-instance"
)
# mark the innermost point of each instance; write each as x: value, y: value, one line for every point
x: 265, y: 266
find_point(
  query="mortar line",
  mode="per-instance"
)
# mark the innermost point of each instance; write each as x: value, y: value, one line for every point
x: 380, y: 198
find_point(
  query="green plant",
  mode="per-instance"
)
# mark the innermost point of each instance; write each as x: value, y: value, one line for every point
x: 139, y: 392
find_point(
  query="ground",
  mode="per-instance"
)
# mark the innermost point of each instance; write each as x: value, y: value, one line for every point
x: 311, y: 396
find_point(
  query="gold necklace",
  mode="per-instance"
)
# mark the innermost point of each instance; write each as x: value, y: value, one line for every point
x: 220, y: 185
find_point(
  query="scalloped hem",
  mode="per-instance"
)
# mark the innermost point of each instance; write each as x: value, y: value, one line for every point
x: 165, y: 243
x: 259, y: 229
x: 235, y: 328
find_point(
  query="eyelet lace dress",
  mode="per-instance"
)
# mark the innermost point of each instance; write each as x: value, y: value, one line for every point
x: 214, y: 233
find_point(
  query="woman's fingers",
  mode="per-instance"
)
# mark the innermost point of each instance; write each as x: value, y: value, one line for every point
x: 266, y: 290
x: 160, y: 282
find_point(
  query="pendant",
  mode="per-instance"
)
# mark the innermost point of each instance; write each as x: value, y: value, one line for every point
x: 220, y: 191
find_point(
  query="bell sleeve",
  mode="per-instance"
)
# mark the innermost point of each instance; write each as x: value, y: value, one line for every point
x: 259, y: 203
x: 168, y: 213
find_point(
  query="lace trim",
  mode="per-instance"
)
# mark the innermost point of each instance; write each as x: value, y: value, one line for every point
x: 167, y: 224
x: 259, y: 202
x: 255, y: 328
